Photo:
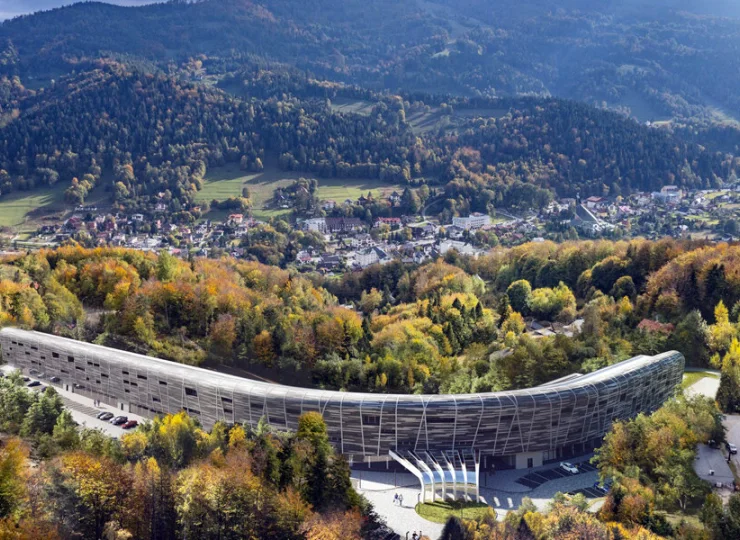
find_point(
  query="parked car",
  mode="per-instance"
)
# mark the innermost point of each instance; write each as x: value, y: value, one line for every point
x: 130, y: 424
x: 605, y: 487
x: 731, y: 448
x: 33, y: 383
x: 569, y: 467
x: 55, y: 379
x: 119, y: 420
x: 105, y: 415
x: 26, y: 379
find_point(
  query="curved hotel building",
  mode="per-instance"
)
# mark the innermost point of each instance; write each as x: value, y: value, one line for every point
x: 435, y: 436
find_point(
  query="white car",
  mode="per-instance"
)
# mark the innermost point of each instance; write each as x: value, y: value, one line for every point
x: 569, y: 467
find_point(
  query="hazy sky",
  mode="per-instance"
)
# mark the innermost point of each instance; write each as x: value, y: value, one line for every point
x: 11, y: 8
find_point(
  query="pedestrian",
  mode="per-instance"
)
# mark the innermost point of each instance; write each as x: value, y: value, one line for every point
x: 395, y: 498
x: 414, y: 536
x: 400, y: 499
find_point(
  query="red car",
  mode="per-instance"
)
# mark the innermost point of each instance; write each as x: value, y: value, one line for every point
x: 130, y: 424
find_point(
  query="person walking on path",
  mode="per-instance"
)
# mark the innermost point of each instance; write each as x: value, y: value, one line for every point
x: 395, y: 498
x: 400, y: 499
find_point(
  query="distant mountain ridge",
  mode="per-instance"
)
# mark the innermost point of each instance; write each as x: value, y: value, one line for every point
x: 655, y: 60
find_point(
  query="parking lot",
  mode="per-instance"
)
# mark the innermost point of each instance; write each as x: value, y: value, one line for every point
x: 590, y: 492
x: 82, y: 408
x: 536, y: 479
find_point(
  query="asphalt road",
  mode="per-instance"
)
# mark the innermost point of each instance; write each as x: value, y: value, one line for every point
x: 732, y: 424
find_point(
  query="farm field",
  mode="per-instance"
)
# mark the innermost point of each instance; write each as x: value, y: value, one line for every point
x: 24, y: 211
x: 347, y: 105
x: 228, y: 181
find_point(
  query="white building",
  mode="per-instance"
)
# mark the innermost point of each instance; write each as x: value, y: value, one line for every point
x: 668, y: 194
x: 373, y: 255
x: 473, y: 221
x: 315, y: 224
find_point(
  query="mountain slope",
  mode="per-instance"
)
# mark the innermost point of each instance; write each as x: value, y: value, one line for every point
x: 145, y: 135
x: 655, y: 60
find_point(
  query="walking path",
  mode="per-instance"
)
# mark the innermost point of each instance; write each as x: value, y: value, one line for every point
x: 707, y: 386
x: 500, y: 490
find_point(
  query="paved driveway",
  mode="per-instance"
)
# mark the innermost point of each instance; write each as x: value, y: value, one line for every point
x: 379, y: 488
x: 732, y: 424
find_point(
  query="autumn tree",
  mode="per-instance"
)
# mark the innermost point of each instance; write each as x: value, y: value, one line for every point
x: 13, y: 476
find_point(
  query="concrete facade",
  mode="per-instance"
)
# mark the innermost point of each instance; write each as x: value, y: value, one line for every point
x: 542, y: 423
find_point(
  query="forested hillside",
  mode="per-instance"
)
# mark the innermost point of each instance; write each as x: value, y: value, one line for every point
x: 152, y: 137
x: 150, y: 134
x: 654, y: 60
x: 170, y: 479
x: 446, y: 326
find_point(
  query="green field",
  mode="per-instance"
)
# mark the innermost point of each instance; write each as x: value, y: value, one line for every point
x: 439, y: 511
x: 24, y: 211
x: 228, y: 181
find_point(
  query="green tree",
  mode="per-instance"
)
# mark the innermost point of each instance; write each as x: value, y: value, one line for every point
x: 728, y: 393
x: 519, y: 294
x: 43, y: 414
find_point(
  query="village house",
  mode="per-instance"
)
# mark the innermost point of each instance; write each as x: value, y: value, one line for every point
x: 343, y: 225
x: 594, y: 202
x: 392, y: 222
x: 235, y: 219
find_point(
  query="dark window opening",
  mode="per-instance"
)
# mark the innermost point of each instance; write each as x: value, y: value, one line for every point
x: 154, y: 398
x: 55, y: 355
x: 142, y: 377
x: 70, y: 359
x: 163, y: 383
x: 228, y: 411
x: 190, y: 392
x: 226, y: 400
